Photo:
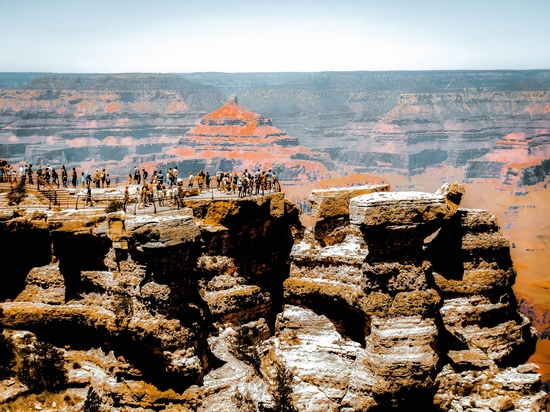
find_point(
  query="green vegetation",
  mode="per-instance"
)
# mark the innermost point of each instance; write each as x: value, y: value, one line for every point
x: 17, y: 194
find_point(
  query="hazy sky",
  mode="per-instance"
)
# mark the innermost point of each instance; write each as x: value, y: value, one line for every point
x: 243, y: 36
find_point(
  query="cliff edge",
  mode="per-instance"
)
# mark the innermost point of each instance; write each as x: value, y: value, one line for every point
x: 232, y: 305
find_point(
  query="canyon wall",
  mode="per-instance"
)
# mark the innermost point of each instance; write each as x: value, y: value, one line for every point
x: 379, y: 122
x: 232, y: 305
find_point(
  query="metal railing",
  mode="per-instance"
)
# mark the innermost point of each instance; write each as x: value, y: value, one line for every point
x: 62, y: 199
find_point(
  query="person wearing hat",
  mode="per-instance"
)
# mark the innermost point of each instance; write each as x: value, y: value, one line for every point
x: 97, y: 179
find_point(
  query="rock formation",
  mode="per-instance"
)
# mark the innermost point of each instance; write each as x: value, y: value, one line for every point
x: 234, y: 138
x: 520, y: 160
x: 231, y: 305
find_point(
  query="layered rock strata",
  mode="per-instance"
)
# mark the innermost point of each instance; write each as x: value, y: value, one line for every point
x: 230, y: 305
x: 408, y: 308
x: 234, y: 138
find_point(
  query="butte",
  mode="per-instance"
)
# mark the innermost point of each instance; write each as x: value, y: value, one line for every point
x: 234, y: 138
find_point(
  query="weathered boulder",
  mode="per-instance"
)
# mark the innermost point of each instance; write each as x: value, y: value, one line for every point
x: 335, y: 203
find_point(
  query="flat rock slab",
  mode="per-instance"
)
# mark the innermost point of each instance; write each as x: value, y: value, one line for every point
x: 398, y: 209
x: 333, y: 203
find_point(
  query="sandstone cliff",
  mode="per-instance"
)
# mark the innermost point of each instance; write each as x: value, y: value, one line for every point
x: 230, y: 305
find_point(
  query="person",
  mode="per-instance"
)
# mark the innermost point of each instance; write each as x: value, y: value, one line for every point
x: 83, y: 180
x: 257, y: 182
x: 207, y: 181
x: 103, y: 176
x: 240, y: 187
x: 39, y: 176
x: 137, y: 176
x: 64, y: 176
x: 74, y: 177
x: 23, y: 173
x: 47, y: 174
x: 97, y: 179
x: 263, y: 181
x: 234, y: 182
x: 29, y: 171
x: 144, y: 194
x: 55, y: 178
x: 89, y: 195
x: 169, y: 177
x: 144, y: 175
x: 160, y: 177
x: 191, y: 180
x: 88, y: 178
x: 107, y: 180
x: 268, y: 176
x: 129, y: 178
x: 126, y: 197
x: 274, y: 181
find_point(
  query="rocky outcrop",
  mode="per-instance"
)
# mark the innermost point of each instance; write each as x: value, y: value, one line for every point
x: 390, y: 298
x: 408, y: 308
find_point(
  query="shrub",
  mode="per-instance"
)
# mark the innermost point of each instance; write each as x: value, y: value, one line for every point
x: 244, y: 401
x: 43, y: 368
x: 17, y: 194
x: 122, y: 306
x: 92, y: 402
x: 282, y: 389
x: 114, y: 205
x: 244, y: 347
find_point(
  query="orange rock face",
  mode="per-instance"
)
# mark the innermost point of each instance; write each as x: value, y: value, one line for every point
x: 247, y: 140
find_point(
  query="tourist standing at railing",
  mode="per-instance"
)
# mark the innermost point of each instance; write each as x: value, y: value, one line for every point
x: 29, y: 173
x: 126, y: 197
x: 137, y: 176
x: 97, y: 179
x: 23, y: 173
x: 170, y: 177
x: 55, y: 178
x: 88, y: 178
x: 108, y: 180
x: 207, y: 181
x: 74, y: 177
x: 64, y: 176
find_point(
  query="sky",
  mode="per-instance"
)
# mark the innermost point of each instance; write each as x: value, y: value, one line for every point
x: 181, y: 36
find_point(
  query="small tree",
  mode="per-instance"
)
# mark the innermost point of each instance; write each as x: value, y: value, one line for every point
x: 17, y: 194
x: 42, y: 368
x: 282, y: 389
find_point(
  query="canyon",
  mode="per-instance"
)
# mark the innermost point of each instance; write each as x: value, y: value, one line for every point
x: 488, y: 130
x: 232, y: 304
